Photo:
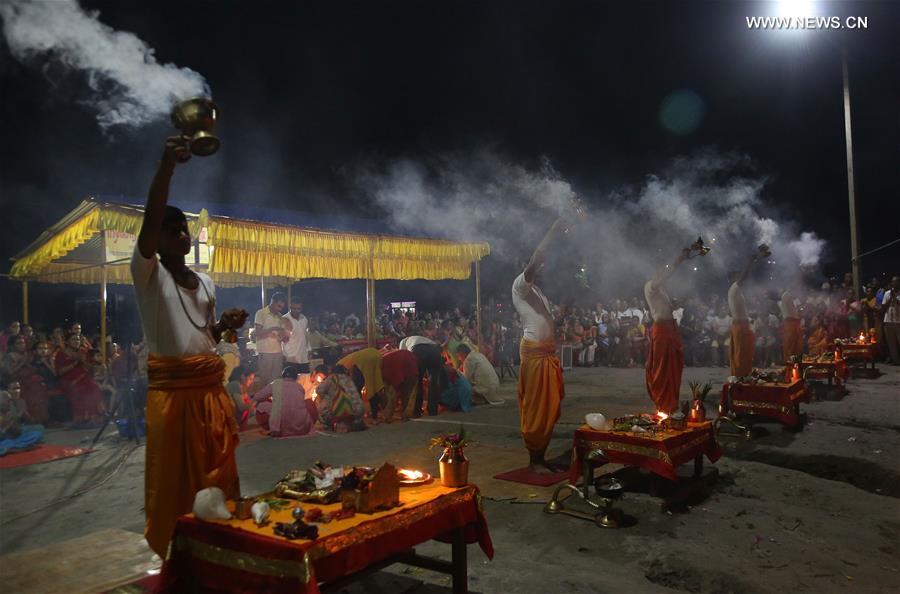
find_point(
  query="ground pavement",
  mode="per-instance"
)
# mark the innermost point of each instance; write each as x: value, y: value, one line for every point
x: 815, y: 511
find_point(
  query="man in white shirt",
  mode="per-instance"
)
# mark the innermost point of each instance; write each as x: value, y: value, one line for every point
x: 296, y: 349
x: 271, y: 331
x: 665, y: 357
x: 890, y: 306
x: 189, y: 414
x: 541, y: 388
x: 480, y: 373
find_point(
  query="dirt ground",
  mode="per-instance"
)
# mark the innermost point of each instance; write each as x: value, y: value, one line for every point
x: 813, y: 511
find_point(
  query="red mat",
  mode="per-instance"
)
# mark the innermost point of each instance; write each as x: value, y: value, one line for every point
x: 145, y: 584
x: 41, y: 453
x: 526, y: 477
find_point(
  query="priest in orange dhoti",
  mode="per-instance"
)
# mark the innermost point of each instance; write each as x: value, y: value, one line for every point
x: 191, y: 429
x: 541, y: 389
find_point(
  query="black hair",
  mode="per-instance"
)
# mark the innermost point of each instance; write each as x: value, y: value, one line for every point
x: 323, y: 369
x: 173, y: 214
x: 278, y: 296
x: 295, y: 298
x: 338, y: 369
x: 236, y: 373
x: 290, y: 372
x: 463, y: 349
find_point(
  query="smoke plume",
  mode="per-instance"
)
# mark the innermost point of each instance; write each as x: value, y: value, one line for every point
x: 128, y: 86
x: 630, y: 231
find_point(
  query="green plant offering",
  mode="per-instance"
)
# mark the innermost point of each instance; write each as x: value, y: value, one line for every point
x: 700, y: 391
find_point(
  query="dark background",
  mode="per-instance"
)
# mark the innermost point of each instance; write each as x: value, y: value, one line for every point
x: 307, y: 92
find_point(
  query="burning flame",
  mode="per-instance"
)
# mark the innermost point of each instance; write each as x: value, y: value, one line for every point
x: 662, y: 416
x: 862, y: 337
x: 410, y: 475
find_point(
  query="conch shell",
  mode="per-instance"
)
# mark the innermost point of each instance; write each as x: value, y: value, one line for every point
x: 260, y: 511
x: 209, y: 504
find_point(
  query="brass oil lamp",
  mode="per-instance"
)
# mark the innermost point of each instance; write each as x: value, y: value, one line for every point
x: 196, y: 119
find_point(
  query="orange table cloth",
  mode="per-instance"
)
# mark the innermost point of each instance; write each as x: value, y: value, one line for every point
x: 235, y: 556
x: 778, y: 401
x: 661, y: 453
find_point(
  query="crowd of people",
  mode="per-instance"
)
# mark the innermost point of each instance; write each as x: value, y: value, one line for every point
x: 59, y: 377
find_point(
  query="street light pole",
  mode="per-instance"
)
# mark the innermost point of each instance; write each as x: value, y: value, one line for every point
x: 851, y: 187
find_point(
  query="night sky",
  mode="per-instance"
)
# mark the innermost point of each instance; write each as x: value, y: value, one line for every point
x: 307, y: 92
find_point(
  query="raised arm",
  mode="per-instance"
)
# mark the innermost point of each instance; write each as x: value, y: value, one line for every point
x: 176, y: 151
x: 666, y: 271
x: 537, y: 258
x: 747, y: 267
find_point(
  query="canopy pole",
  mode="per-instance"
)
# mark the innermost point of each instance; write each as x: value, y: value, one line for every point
x: 478, y: 302
x: 103, y: 314
x: 262, y: 290
x: 370, y: 311
x: 25, y: 302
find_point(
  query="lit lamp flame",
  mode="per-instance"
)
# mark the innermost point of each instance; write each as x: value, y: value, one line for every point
x: 862, y: 337
x: 662, y: 416
x: 410, y: 475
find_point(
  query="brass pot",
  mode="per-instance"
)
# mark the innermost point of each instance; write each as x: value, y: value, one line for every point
x: 196, y: 119
x: 454, y: 468
x: 698, y: 412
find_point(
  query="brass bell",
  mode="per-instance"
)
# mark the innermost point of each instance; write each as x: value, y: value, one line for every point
x: 196, y: 119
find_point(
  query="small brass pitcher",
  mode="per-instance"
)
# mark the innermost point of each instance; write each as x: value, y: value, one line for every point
x: 454, y: 468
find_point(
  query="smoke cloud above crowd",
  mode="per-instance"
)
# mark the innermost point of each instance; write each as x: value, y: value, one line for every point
x: 127, y: 85
x: 629, y: 231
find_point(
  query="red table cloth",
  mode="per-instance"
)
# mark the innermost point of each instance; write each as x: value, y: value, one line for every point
x: 778, y: 401
x: 235, y: 556
x: 854, y: 352
x: 835, y: 371
x: 661, y: 453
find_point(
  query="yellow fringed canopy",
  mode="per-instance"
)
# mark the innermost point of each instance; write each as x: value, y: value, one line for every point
x: 97, y: 235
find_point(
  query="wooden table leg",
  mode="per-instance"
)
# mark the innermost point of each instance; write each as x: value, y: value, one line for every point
x: 698, y: 465
x: 459, y: 561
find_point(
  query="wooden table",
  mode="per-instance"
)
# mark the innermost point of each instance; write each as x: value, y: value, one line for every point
x: 660, y: 453
x: 860, y: 353
x: 835, y: 371
x: 776, y: 401
x: 235, y: 556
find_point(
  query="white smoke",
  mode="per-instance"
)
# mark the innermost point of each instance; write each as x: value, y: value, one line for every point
x: 630, y: 231
x: 130, y: 88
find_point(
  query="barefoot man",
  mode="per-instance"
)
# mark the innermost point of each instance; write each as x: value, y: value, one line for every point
x: 665, y: 357
x: 540, y: 377
x: 792, y: 342
x: 191, y: 430
x: 743, y: 341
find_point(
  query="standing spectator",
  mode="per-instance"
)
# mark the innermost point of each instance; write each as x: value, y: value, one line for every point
x: 271, y: 331
x: 296, y: 349
x: 891, y: 308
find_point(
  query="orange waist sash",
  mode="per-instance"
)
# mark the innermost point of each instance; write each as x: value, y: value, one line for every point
x: 537, y: 349
x: 175, y: 373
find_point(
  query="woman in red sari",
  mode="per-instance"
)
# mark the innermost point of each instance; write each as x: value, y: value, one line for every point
x: 77, y: 383
x: 18, y: 366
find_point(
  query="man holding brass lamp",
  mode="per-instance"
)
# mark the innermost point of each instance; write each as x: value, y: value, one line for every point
x: 191, y: 429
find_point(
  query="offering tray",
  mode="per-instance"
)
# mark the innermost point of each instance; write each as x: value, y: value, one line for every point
x: 301, y: 485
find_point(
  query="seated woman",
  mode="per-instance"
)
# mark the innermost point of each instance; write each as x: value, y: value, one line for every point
x: 237, y: 387
x: 457, y: 396
x: 282, y: 408
x: 340, y: 406
x: 19, y: 366
x: 15, y: 435
x: 77, y: 384
x: 818, y: 339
